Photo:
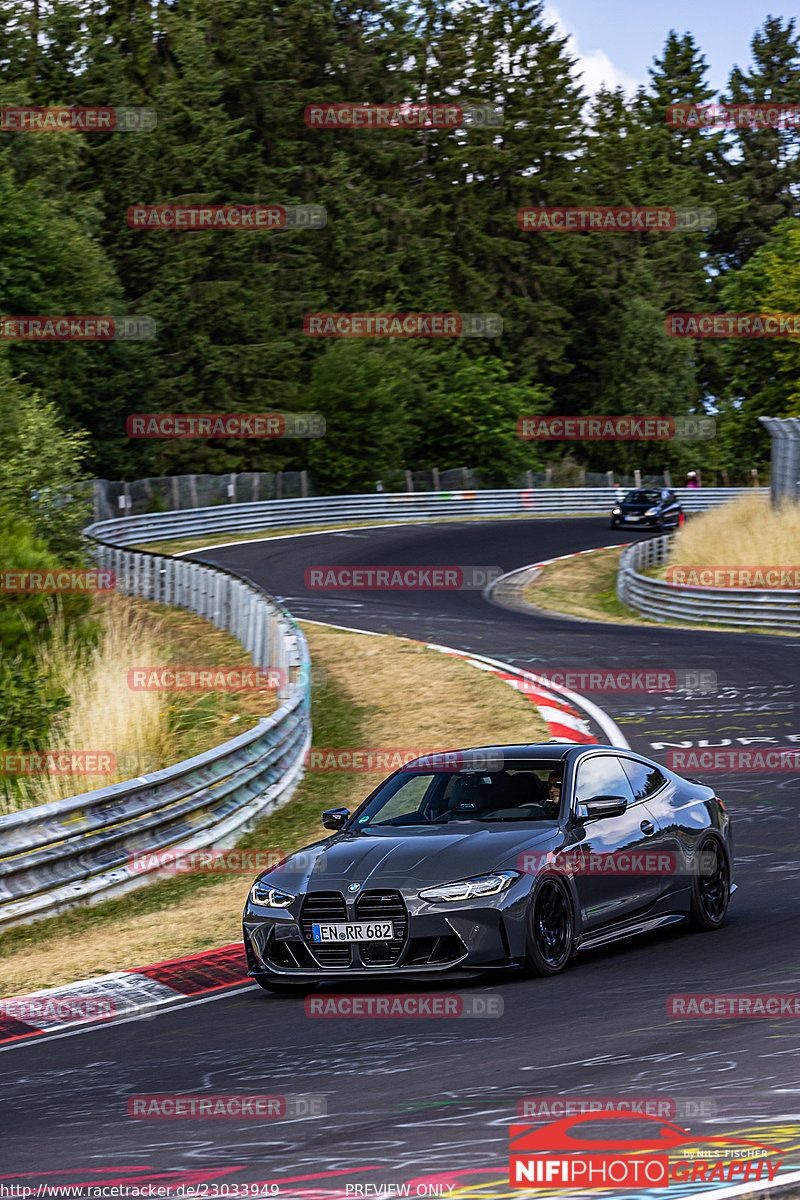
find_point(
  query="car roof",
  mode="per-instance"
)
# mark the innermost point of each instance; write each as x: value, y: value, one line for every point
x: 518, y: 752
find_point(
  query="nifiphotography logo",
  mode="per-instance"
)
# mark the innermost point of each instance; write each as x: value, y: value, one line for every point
x: 575, y: 1153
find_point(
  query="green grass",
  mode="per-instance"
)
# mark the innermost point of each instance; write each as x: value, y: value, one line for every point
x: 336, y: 722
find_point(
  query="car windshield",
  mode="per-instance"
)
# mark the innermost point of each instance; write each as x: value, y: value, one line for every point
x: 640, y: 496
x: 518, y: 792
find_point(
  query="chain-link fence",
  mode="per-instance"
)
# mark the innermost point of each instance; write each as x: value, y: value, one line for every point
x: 173, y: 493
x: 176, y: 493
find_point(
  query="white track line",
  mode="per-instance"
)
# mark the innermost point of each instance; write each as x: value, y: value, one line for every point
x: 153, y: 1010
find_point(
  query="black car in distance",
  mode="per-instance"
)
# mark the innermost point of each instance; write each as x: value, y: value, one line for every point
x: 657, y: 507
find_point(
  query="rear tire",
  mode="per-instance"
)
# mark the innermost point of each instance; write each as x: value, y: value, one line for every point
x: 711, y: 891
x: 550, y: 940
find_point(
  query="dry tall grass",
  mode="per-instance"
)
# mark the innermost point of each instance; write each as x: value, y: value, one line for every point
x: 104, y: 714
x: 745, y: 532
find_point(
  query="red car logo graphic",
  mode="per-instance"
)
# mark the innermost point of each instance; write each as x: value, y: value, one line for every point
x: 559, y: 1136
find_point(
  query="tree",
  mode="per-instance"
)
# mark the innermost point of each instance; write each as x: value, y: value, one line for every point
x: 762, y: 175
x: 41, y: 473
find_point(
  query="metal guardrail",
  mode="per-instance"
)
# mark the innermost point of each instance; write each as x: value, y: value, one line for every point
x: 83, y: 848
x: 80, y: 849
x: 380, y: 507
x: 662, y: 601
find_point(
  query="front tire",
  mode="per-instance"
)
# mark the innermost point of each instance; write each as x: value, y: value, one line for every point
x: 711, y: 890
x: 550, y: 940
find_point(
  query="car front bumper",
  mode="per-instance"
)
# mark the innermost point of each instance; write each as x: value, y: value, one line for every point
x: 438, y: 939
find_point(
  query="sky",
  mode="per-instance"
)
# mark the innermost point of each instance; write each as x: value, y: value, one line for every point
x: 617, y: 40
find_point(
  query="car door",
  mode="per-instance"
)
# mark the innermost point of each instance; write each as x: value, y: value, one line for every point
x: 658, y: 792
x: 608, y: 892
x: 671, y: 507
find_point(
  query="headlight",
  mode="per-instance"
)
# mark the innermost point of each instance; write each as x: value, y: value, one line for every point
x: 470, y: 889
x: 615, y: 512
x: 269, y: 897
x: 651, y: 512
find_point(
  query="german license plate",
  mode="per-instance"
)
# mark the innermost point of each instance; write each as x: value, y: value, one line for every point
x: 358, y: 931
x: 633, y: 518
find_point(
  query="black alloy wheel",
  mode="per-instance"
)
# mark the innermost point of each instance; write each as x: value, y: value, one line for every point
x: 551, y: 928
x: 711, y: 886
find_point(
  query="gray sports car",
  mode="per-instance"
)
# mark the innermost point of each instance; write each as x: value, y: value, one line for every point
x: 493, y: 857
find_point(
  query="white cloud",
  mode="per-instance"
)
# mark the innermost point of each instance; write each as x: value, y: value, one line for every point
x: 594, y: 66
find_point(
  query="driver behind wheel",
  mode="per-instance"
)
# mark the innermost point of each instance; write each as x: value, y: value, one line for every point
x: 552, y: 804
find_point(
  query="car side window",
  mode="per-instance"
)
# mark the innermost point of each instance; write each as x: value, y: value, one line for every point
x: 644, y: 777
x: 600, y: 775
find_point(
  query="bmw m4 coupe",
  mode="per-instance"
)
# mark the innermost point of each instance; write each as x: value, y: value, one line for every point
x: 493, y: 857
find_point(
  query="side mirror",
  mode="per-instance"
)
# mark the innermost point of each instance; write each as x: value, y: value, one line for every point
x: 334, y: 818
x: 605, y: 806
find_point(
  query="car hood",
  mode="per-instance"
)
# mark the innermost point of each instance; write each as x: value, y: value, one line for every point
x: 432, y: 856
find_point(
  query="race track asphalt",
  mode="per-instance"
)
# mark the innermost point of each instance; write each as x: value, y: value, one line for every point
x: 419, y: 1100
